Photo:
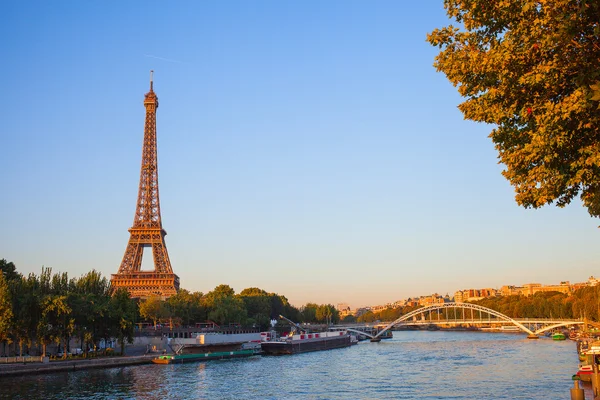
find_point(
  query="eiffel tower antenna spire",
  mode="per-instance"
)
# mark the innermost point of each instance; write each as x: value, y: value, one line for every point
x: 151, y: 80
x: 147, y: 230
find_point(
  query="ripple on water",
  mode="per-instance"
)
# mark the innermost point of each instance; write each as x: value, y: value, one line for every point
x: 423, y: 365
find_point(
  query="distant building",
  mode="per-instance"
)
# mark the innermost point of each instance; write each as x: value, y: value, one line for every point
x: 431, y: 300
x: 398, y: 303
x: 590, y: 282
x: 377, y: 309
x: 564, y: 287
x: 462, y: 296
x: 411, y: 302
x: 474, y: 294
x: 458, y: 297
x: 511, y: 290
x: 529, y: 289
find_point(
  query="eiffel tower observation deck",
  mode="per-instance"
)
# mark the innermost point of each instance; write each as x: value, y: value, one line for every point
x: 147, y: 230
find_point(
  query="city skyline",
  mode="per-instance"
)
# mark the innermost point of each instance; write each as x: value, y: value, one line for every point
x: 591, y: 280
x: 309, y: 150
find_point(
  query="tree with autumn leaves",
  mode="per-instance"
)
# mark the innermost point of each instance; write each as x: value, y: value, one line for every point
x: 532, y: 69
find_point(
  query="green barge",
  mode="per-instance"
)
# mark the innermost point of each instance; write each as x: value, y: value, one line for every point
x: 219, y: 355
x: 210, y: 346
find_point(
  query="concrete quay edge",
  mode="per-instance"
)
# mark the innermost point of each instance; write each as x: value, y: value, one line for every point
x: 13, y: 370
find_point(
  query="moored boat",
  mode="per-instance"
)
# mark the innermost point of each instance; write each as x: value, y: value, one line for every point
x: 387, y: 334
x: 573, y: 335
x: 218, y: 355
x: 210, y: 347
x: 588, y: 358
x: 302, y: 341
x: 559, y: 336
x: 305, y: 342
x: 585, y: 373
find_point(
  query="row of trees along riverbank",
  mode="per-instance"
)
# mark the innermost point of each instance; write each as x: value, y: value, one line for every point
x: 51, y: 308
x: 583, y: 303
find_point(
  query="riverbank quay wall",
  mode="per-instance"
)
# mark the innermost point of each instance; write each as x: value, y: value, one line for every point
x: 12, y: 370
x: 145, y: 340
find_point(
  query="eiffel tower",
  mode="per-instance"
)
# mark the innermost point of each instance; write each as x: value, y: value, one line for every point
x: 147, y: 230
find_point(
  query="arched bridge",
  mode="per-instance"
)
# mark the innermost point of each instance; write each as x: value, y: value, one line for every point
x: 533, y: 327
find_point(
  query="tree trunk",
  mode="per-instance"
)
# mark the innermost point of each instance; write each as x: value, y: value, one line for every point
x: 64, y: 348
x: 43, y: 349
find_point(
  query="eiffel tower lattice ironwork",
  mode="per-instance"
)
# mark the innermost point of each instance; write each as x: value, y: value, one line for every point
x: 147, y: 230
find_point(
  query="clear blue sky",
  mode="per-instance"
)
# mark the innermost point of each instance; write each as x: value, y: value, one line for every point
x: 306, y: 148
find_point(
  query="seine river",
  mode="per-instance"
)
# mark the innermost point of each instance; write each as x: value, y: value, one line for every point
x: 412, y: 365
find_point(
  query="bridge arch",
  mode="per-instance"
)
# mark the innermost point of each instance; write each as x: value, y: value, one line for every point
x: 360, y: 332
x: 465, y: 306
x: 550, y: 327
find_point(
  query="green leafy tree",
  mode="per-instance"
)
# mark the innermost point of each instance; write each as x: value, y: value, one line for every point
x: 179, y: 306
x: 228, y: 310
x: 216, y: 293
x: 55, y: 324
x: 531, y: 69
x: 89, y: 297
x: 369, y: 316
x: 253, y: 291
x: 326, y: 313
x: 9, y: 270
x: 186, y: 307
x: 26, y: 310
x: 349, y: 319
x: 258, y: 306
x: 224, y: 307
x: 540, y: 305
x: 308, y: 312
x: 6, y: 314
x: 42, y: 289
x: 281, y: 306
x: 122, y: 315
x: 52, y: 308
x: 585, y: 303
x: 153, y: 308
x: 390, y: 314
x: 198, y: 311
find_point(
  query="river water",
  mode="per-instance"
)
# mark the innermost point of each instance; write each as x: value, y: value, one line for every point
x: 412, y: 365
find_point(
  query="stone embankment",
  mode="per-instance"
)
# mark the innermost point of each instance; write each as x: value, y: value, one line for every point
x: 16, y: 369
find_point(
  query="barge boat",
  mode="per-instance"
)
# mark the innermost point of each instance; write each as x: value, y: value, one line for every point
x: 218, y: 355
x: 302, y: 341
x: 210, y: 347
x: 306, y: 342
